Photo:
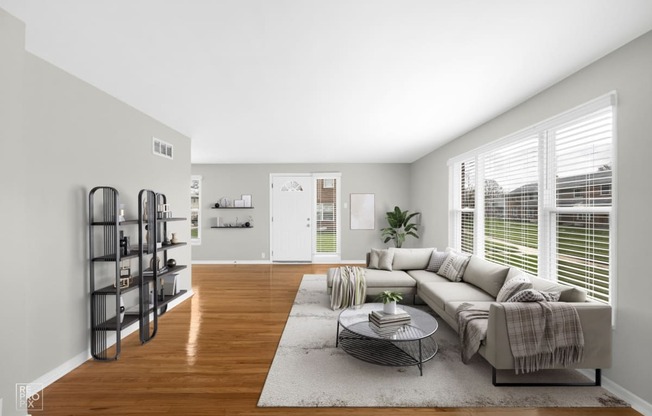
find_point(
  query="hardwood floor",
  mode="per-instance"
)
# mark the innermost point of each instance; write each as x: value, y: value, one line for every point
x: 212, y: 354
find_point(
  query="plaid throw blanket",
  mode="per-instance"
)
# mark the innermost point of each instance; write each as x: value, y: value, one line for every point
x: 472, y: 329
x: 542, y: 334
x: 349, y: 287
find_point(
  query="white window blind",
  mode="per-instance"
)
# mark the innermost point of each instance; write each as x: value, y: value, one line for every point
x: 195, y: 209
x: 511, y: 204
x: 546, y: 201
x: 582, y: 214
x: 326, y: 220
x: 467, y: 205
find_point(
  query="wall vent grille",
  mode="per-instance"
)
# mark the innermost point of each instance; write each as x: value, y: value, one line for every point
x: 161, y: 148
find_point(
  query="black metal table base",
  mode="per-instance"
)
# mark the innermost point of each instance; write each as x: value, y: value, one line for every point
x: 387, y: 352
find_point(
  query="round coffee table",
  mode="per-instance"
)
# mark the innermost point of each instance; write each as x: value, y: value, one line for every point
x: 404, y: 345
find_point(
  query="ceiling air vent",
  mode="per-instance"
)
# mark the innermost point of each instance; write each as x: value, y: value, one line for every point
x: 161, y: 148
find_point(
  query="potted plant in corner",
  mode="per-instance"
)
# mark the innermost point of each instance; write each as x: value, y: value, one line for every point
x: 399, y: 226
x: 389, y: 300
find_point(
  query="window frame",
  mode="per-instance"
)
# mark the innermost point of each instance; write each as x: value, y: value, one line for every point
x: 196, y: 240
x: 547, y: 207
x: 336, y: 180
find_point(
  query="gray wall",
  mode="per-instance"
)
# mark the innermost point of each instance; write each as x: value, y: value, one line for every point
x: 60, y: 138
x: 13, y: 310
x: 389, y: 182
x: 628, y: 71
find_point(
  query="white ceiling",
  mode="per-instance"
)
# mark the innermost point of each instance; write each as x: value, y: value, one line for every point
x: 287, y: 81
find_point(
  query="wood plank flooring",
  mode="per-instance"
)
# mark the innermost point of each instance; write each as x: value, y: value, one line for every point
x: 212, y: 354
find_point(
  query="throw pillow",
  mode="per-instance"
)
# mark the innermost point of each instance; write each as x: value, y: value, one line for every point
x: 533, y: 295
x: 374, y: 256
x: 436, y: 260
x: 385, y: 259
x: 454, y: 265
x: 512, y: 286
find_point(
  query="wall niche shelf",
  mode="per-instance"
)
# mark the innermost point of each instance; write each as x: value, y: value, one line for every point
x: 237, y: 226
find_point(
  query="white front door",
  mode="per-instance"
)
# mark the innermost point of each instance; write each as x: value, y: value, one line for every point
x: 292, y: 218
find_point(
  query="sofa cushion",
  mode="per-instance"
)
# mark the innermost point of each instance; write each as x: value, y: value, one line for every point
x: 374, y: 256
x: 424, y: 276
x: 381, y: 258
x: 486, y: 275
x: 384, y: 278
x: 454, y: 266
x: 436, y: 260
x: 442, y: 292
x: 533, y: 295
x: 513, y: 285
x: 411, y: 258
x: 566, y: 293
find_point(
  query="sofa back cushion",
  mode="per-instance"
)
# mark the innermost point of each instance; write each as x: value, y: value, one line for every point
x: 381, y: 259
x: 485, y: 275
x: 411, y: 258
x: 566, y: 293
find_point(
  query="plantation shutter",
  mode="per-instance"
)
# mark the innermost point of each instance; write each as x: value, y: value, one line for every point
x: 326, y: 221
x: 511, y: 203
x: 582, y: 214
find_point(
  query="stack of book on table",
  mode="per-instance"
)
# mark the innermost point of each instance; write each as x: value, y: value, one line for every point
x: 386, y: 320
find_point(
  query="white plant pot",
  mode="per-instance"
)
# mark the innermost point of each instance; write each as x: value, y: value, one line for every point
x: 390, y: 308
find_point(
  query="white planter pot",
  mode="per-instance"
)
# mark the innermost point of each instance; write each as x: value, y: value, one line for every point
x: 390, y: 308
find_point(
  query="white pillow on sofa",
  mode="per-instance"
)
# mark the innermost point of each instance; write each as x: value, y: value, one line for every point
x: 512, y: 286
x: 454, y: 266
x: 381, y: 259
x: 436, y: 260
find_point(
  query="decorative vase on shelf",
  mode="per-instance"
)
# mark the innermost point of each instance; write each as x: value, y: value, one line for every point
x: 390, y: 307
x: 174, y: 239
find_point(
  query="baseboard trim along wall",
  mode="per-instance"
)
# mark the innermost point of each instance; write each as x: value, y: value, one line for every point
x: 55, y: 374
x: 637, y: 403
x: 200, y: 262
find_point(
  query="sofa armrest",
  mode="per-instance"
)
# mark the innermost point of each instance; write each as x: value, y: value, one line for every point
x: 596, y: 327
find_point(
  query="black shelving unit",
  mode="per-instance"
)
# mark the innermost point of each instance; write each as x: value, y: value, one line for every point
x: 105, y: 246
x: 153, y: 231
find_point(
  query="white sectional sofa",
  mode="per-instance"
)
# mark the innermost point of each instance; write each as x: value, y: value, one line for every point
x: 479, y: 282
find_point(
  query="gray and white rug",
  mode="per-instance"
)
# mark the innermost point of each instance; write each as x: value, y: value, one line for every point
x: 308, y: 371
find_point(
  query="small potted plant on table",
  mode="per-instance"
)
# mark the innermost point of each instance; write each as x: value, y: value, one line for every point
x: 389, y: 300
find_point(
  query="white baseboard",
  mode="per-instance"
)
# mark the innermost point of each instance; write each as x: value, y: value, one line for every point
x: 60, y: 371
x: 637, y: 403
x: 270, y: 262
x: 231, y: 262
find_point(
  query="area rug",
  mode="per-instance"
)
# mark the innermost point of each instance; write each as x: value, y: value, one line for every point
x: 308, y: 371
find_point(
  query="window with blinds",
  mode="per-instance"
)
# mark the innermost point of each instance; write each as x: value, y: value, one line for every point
x: 546, y: 201
x: 326, y: 215
x: 511, y: 204
x: 583, y: 201
x: 467, y: 205
x: 195, y: 209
